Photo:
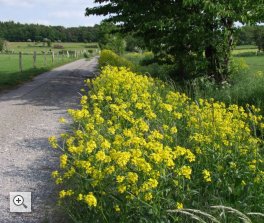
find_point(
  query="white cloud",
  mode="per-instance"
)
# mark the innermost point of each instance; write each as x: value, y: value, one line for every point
x: 61, y: 3
x: 19, y: 3
x: 67, y: 14
x: 48, y: 12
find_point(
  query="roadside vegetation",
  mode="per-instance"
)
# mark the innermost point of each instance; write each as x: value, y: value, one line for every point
x: 140, y: 151
x: 172, y: 128
x: 244, y: 86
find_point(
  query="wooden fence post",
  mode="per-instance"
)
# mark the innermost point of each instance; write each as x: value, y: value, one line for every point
x: 34, y: 59
x: 45, y: 58
x: 20, y: 62
x: 52, y: 57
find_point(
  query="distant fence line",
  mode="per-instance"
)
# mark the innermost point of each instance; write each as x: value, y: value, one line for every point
x: 61, y: 52
x: 55, y: 55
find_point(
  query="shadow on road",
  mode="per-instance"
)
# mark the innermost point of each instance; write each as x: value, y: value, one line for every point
x: 43, y: 189
x: 55, y: 91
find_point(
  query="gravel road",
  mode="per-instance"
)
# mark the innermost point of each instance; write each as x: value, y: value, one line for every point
x: 28, y: 116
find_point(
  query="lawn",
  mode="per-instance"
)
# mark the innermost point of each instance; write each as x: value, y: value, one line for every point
x: 255, y: 63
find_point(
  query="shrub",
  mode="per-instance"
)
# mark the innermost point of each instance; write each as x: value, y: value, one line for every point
x: 49, y: 43
x: 2, y: 44
x: 86, y: 55
x: 138, y: 149
x: 115, y: 43
x: 108, y: 57
x: 57, y: 46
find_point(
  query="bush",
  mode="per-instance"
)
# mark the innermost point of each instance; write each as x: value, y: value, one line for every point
x: 138, y: 148
x: 49, y: 43
x: 2, y: 44
x: 57, y: 46
x: 108, y: 57
x: 146, y: 64
x: 115, y: 43
x: 86, y: 55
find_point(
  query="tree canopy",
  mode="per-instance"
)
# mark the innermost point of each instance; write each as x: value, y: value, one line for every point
x: 195, y: 35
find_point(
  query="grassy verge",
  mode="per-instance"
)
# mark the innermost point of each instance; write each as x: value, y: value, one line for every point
x: 10, y: 75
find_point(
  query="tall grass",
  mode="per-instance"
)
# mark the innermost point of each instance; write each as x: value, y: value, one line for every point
x: 245, y: 85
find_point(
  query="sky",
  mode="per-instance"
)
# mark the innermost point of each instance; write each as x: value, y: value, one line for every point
x: 68, y: 13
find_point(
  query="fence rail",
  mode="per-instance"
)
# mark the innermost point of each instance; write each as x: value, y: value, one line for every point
x: 46, y: 57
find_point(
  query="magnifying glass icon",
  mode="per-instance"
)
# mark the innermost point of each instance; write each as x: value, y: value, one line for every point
x: 19, y: 200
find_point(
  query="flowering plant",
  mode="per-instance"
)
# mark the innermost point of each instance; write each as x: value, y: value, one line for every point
x: 139, y: 148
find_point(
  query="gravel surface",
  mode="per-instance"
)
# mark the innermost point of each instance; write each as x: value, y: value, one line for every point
x: 28, y: 116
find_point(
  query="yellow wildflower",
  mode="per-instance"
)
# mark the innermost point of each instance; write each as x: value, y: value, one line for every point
x: 90, y: 199
x: 120, y: 179
x: 63, y: 161
x: 62, y: 120
x: 100, y: 156
x: 148, y: 196
x: 186, y: 171
x: 122, y: 188
x: 207, y: 175
x: 117, y: 208
x: 53, y: 142
x: 179, y: 205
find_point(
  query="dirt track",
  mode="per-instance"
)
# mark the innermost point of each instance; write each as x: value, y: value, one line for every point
x: 28, y: 116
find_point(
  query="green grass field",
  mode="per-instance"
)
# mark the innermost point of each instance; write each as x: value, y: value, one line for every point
x: 9, y: 68
x: 30, y: 47
x: 10, y: 74
x: 255, y: 63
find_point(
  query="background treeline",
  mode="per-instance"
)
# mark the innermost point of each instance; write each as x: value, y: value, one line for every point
x: 251, y: 35
x: 17, y: 32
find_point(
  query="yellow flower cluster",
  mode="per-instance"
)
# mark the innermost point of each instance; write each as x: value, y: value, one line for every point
x: 207, y: 176
x: 53, y: 142
x: 137, y: 139
x: 66, y: 193
x: 90, y: 199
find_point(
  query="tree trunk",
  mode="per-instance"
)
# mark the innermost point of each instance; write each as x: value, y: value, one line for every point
x: 228, y: 24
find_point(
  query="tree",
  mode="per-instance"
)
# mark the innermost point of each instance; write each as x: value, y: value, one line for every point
x: 244, y: 35
x: 2, y: 44
x: 258, y: 36
x: 110, y: 38
x: 196, y: 35
x: 134, y: 43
